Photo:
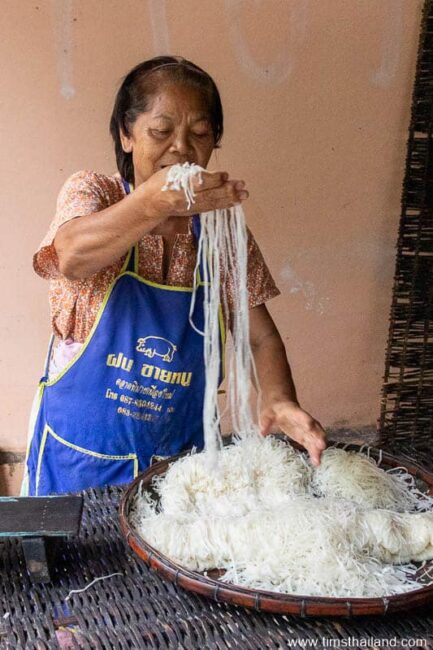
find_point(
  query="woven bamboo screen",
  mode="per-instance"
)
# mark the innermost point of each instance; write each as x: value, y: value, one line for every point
x: 407, y: 398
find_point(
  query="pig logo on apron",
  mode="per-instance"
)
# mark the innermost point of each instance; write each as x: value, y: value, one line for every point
x: 156, y: 346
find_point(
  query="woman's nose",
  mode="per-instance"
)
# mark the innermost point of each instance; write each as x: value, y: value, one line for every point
x: 180, y: 143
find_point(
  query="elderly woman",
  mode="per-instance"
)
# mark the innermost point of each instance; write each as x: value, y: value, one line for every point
x: 125, y: 382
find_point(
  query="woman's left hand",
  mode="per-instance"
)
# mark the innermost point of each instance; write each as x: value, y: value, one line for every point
x: 297, y: 424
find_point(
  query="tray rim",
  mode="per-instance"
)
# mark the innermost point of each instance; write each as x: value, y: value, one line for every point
x: 268, y: 601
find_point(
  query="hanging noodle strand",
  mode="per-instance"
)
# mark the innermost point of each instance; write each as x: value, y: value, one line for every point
x: 222, y: 270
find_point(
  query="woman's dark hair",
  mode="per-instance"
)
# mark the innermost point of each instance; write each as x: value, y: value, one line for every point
x: 140, y: 85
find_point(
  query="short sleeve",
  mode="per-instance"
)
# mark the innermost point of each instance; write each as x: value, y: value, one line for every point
x: 84, y: 192
x: 260, y: 283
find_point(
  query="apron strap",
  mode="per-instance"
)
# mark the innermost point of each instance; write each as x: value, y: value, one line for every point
x: 127, y: 186
x: 48, y: 358
x: 131, y: 262
x: 196, y: 226
x: 196, y: 230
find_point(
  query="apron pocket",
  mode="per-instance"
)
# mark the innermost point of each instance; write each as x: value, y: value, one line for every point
x: 65, y: 467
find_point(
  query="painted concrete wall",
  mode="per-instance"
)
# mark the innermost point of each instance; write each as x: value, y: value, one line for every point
x: 317, y: 104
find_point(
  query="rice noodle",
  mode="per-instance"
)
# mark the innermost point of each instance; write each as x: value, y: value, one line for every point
x: 265, y: 527
x: 263, y: 513
x: 221, y: 259
x: 249, y: 474
x: 181, y: 178
x: 353, y: 476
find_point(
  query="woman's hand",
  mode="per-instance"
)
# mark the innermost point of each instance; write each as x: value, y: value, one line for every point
x: 215, y: 191
x: 278, y: 389
x: 297, y: 424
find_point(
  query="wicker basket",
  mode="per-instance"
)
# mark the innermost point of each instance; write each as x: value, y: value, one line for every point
x: 266, y: 601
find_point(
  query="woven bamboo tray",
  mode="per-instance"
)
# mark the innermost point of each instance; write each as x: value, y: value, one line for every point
x: 266, y: 601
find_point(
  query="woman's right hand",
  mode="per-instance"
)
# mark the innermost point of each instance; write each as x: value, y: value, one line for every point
x: 216, y: 191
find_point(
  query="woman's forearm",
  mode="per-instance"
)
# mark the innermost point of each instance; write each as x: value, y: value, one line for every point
x: 89, y: 243
x: 273, y: 370
x: 280, y: 408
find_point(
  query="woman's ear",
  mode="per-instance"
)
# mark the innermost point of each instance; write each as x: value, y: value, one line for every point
x: 126, y: 142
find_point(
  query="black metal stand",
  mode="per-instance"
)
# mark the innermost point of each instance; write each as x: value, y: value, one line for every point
x: 40, y: 522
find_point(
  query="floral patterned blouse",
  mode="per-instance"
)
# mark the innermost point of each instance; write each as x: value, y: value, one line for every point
x: 75, y: 303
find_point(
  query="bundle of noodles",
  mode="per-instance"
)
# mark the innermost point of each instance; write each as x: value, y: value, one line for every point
x: 356, y: 477
x: 249, y: 473
x: 396, y: 538
x: 302, y: 545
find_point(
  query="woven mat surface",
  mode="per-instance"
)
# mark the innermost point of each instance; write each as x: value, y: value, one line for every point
x: 140, y: 610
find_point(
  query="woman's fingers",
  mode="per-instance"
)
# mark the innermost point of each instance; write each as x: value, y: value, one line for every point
x: 218, y: 181
x: 209, y: 180
x: 315, y: 443
x: 298, y: 425
x: 227, y: 195
x: 306, y: 431
x: 214, y: 191
x: 266, y: 422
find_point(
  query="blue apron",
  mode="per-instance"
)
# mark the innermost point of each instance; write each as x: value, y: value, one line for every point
x: 134, y: 391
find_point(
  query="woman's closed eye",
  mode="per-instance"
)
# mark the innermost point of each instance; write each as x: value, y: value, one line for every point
x: 164, y: 133
x: 201, y: 134
x: 160, y: 133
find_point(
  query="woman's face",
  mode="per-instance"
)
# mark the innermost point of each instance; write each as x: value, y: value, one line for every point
x: 176, y: 129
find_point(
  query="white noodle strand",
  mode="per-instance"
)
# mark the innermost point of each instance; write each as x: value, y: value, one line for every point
x: 222, y: 260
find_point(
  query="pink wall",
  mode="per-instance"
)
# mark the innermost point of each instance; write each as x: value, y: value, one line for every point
x: 317, y: 103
